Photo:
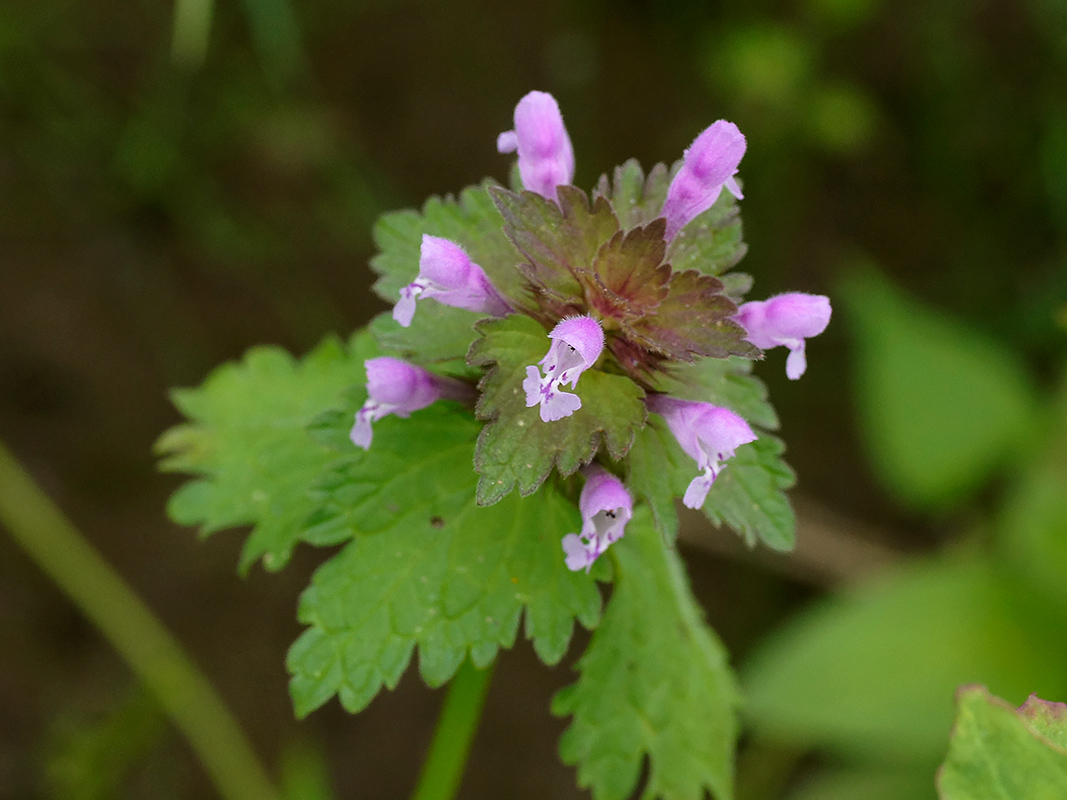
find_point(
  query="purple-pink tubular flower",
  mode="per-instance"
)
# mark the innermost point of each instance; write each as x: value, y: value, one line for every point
x: 576, y: 345
x: 546, y: 158
x: 606, y: 507
x: 397, y: 387
x: 708, y: 165
x: 447, y: 275
x: 786, y: 320
x: 709, y: 434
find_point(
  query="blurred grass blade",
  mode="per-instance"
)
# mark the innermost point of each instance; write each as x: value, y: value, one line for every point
x: 192, y: 31
x: 58, y: 548
x: 276, y: 36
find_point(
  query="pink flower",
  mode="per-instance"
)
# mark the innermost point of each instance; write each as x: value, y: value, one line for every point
x: 709, y: 434
x: 447, y: 275
x: 606, y: 507
x: 708, y: 165
x: 576, y: 345
x: 786, y: 320
x: 546, y: 158
x: 397, y: 387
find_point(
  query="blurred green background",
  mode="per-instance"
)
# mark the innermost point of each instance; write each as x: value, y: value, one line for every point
x: 160, y: 215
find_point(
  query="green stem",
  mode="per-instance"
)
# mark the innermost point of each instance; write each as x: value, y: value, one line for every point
x: 154, y: 655
x: 192, y: 31
x: 444, y: 765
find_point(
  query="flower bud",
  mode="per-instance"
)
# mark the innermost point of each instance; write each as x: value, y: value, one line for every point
x: 546, y: 158
x: 709, y: 164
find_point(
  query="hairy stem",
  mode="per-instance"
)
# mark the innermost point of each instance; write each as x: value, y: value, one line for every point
x: 444, y: 765
x: 155, y: 656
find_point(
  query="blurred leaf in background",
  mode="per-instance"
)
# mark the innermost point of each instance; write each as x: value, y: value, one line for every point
x: 92, y: 760
x: 1032, y: 524
x: 940, y: 406
x: 873, y: 673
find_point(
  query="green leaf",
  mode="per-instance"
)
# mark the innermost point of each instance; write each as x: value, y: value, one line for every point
x: 659, y: 472
x: 438, y: 338
x: 749, y: 495
x: 712, y: 241
x: 995, y: 754
x: 941, y: 406
x: 247, y: 441
x: 516, y: 448
x: 873, y: 673
x: 655, y: 682
x: 1032, y: 524
x: 868, y: 784
x: 635, y: 199
x: 1047, y: 718
x: 1033, y: 528
x: 430, y: 569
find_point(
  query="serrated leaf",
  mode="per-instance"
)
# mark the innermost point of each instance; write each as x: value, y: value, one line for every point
x: 712, y: 241
x: 748, y: 495
x: 559, y: 241
x: 635, y: 199
x: 430, y: 569
x: 694, y: 319
x: 995, y: 754
x: 659, y: 472
x: 655, y: 682
x: 941, y: 406
x: 631, y: 278
x: 439, y: 337
x: 1048, y: 718
x: 872, y: 674
x: 247, y: 441
x: 516, y: 448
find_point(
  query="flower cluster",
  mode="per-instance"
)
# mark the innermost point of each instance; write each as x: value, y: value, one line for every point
x: 614, y: 306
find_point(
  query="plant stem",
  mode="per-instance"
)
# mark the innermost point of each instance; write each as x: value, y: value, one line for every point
x: 50, y: 539
x: 192, y: 31
x: 444, y: 765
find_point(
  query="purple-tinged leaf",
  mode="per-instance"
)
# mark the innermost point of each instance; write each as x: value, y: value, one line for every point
x: 631, y: 278
x: 559, y: 242
x: 693, y: 320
